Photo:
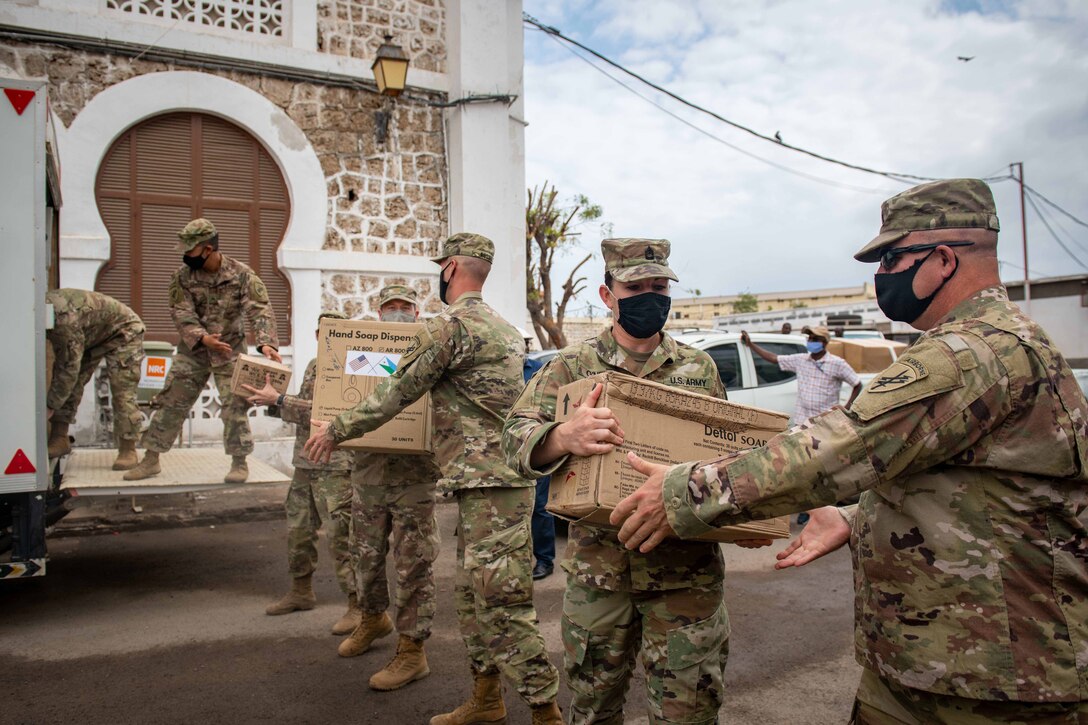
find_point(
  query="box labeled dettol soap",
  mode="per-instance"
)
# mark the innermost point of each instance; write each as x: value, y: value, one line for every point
x: 664, y: 425
x: 353, y: 358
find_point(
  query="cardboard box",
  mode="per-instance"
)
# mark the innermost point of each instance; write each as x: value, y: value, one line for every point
x: 353, y: 358
x: 661, y: 424
x: 251, y: 370
x: 868, y: 356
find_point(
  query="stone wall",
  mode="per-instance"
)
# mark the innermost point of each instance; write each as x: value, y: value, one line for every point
x: 356, y: 28
x: 385, y: 198
x: 356, y: 294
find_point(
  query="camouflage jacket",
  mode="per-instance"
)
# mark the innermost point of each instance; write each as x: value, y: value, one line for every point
x: 296, y: 409
x: 83, y: 320
x: 391, y: 469
x: 970, y: 544
x: 594, y: 554
x: 470, y: 359
x: 206, y: 303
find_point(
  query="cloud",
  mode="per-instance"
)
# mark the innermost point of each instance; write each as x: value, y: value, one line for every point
x: 875, y: 83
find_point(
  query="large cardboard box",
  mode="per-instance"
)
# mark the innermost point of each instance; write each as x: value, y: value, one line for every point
x: 663, y: 425
x: 868, y: 356
x: 353, y: 357
x: 251, y: 370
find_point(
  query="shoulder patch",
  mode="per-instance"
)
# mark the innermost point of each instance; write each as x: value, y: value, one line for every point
x: 257, y: 291
x: 900, y: 374
x: 419, y: 345
x: 176, y: 295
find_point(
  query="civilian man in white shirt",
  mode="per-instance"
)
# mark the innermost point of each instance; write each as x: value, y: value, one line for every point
x: 820, y: 374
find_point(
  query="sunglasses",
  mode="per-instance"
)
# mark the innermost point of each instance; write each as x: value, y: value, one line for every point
x: 887, y: 259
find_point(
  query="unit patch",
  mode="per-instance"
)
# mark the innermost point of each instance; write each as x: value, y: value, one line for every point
x: 902, y: 373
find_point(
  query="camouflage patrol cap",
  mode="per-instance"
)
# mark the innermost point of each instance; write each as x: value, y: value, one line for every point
x: 944, y: 204
x: 467, y: 244
x: 629, y: 260
x: 332, y: 315
x: 196, y: 232
x: 397, y: 292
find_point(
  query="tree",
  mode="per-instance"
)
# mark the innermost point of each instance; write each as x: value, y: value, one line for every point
x: 549, y: 228
x: 745, y: 302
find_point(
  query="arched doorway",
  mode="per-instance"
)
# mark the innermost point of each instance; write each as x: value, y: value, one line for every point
x: 174, y: 167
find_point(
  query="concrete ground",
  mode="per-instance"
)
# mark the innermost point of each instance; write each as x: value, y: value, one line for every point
x: 167, y: 625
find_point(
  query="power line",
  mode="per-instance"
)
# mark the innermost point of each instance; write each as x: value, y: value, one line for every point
x: 1061, y: 244
x: 681, y: 119
x: 1065, y: 232
x: 1048, y: 201
x: 895, y: 176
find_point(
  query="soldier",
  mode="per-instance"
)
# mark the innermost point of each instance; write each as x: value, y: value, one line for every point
x: 470, y: 359
x: 970, y: 545
x: 667, y: 604
x: 211, y: 298
x: 394, y: 495
x: 87, y: 327
x: 319, y: 494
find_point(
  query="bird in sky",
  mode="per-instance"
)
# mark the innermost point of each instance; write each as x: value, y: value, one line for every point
x: 965, y: 58
x: 778, y: 137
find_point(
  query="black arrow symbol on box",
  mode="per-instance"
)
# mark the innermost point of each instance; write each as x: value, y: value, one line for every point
x: 566, y: 402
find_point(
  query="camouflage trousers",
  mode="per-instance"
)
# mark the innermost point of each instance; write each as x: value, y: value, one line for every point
x: 123, y: 354
x: 405, y: 513
x: 184, y: 383
x: 883, y: 702
x: 684, y: 638
x: 493, y: 589
x: 315, y: 498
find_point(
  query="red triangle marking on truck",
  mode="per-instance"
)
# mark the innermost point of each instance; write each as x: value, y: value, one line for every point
x: 20, y: 464
x: 19, y: 98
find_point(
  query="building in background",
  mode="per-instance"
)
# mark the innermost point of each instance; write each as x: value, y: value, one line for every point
x: 263, y: 116
x: 694, y: 309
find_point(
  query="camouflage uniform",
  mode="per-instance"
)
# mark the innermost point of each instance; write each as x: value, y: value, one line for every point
x: 394, y: 496
x: 470, y: 359
x: 205, y: 303
x: 668, y: 603
x: 970, y: 544
x: 89, y: 326
x: 319, y: 494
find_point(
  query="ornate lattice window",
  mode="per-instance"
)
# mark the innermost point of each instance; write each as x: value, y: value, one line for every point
x: 255, y: 17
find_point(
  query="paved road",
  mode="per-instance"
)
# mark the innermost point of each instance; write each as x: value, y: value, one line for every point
x: 168, y: 626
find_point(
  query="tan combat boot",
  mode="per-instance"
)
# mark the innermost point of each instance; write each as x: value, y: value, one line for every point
x: 371, y: 627
x: 239, y: 471
x: 146, y: 468
x: 351, y: 618
x: 300, y: 597
x: 485, y: 707
x: 409, y: 665
x: 59, y: 445
x: 126, y: 456
x: 548, y: 714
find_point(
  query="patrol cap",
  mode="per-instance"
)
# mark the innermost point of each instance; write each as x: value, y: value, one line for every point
x: 944, y: 204
x: 397, y: 292
x: 629, y: 260
x: 467, y: 244
x: 817, y: 331
x: 332, y: 315
x: 196, y: 232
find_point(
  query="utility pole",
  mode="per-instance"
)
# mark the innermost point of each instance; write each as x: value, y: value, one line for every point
x: 1024, y: 232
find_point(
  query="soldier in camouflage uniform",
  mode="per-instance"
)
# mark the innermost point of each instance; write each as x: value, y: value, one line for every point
x: 211, y: 298
x: 394, y: 496
x: 318, y: 494
x: 667, y: 604
x: 470, y: 359
x: 970, y: 452
x: 87, y: 327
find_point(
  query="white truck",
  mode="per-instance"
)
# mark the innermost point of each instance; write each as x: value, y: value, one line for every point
x: 35, y: 491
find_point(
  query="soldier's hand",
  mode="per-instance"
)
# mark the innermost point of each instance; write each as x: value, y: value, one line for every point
x: 320, y: 445
x: 590, y: 431
x: 744, y: 338
x: 271, y: 353
x: 263, y: 396
x: 825, y: 531
x: 213, y: 343
x: 645, y: 523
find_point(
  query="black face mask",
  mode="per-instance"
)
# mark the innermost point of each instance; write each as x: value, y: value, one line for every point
x: 644, y: 315
x: 895, y: 293
x: 444, y: 284
x: 194, y: 263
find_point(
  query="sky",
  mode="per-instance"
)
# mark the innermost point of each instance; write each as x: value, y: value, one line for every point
x: 876, y: 83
